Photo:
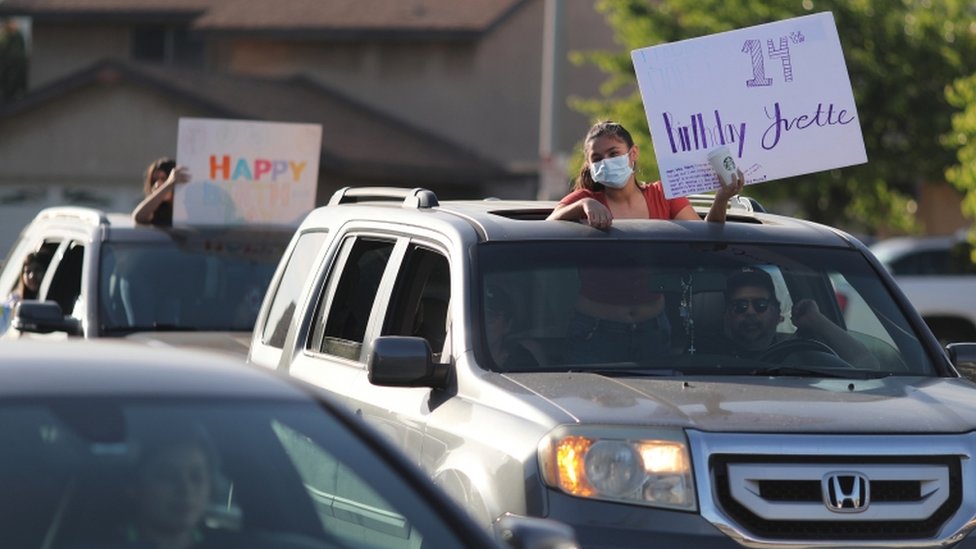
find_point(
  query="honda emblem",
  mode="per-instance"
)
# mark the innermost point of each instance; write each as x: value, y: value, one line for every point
x: 846, y: 492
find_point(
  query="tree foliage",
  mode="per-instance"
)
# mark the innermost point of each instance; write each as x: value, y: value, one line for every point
x: 962, y: 94
x: 901, y: 56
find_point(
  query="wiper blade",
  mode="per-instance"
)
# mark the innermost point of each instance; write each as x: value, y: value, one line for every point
x: 634, y: 372
x: 794, y: 371
x: 155, y: 327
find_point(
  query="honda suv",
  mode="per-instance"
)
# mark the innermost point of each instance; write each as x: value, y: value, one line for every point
x: 395, y: 303
x: 108, y: 277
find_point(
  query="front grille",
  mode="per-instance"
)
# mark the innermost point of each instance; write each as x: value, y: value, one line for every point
x: 776, y: 495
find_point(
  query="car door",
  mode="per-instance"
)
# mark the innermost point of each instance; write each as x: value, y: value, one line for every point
x: 349, y: 310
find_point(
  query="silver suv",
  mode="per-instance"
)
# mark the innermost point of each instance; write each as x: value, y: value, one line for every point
x: 390, y: 300
x: 110, y: 278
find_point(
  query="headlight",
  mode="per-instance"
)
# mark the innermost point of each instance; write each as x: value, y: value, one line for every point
x: 605, y: 463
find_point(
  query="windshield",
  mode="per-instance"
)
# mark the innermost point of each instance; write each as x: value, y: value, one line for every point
x: 629, y: 307
x: 190, y: 285
x: 120, y: 473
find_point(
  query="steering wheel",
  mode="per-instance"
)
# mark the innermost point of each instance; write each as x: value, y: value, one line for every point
x: 777, y: 352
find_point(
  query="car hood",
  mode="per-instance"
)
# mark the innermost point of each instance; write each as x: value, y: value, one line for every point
x: 232, y: 343
x: 762, y: 404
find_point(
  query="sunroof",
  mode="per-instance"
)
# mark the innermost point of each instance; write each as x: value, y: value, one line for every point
x: 524, y: 214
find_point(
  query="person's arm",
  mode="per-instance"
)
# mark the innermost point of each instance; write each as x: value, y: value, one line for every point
x: 588, y: 209
x: 720, y: 204
x: 807, y: 316
x: 143, y: 212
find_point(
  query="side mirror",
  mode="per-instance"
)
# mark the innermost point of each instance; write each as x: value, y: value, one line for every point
x: 521, y: 532
x: 963, y: 357
x: 43, y: 317
x: 403, y: 361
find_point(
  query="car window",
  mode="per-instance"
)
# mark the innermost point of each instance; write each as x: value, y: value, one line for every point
x: 184, y: 285
x: 299, y: 266
x: 65, y: 282
x: 931, y: 262
x: 421, y: 298
x: 100, y: 473
x: 543, y: 282
x: 340, y: 324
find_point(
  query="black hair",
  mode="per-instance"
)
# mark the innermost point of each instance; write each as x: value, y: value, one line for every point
x: 164, y: 163
x: 748, y: 276
x: 605, y: 128
x: 498, y: 300
x: 41, y: 257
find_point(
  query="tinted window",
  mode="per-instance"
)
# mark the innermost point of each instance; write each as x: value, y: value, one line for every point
x: 300, y: 266
x: 932, y: 262
x: 532, y: 297
x: 421, y: 297
x: 341, y: 322
x: 248, y: 474
x: 65, y: 285
x: 194, y: 284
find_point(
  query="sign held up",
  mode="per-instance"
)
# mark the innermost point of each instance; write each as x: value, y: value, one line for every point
x: 777, y: 95
x: 246, y: 172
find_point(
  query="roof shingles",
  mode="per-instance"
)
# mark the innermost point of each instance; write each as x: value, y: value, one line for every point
x: 465, y: 16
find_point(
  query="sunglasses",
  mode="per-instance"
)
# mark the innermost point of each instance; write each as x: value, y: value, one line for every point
x: 759, y: 304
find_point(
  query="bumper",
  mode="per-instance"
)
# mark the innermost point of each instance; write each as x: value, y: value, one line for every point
x: 603, y: 525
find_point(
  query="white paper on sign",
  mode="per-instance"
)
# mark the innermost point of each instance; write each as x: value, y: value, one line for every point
x: 246, y: 172
x: 778, y: 95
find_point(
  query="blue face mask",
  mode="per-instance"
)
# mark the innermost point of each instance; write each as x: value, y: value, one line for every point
x: 612, y: 172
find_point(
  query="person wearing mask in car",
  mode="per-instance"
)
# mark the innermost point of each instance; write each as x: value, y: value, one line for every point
x: 607, y: 187
x: 161, y: 179
x: 619, y: 318
x: 752, y: 313
x: 28, y: 284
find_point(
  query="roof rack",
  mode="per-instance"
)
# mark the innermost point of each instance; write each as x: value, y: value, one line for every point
x: 737, y: 202
x: 416, y: 197
x: 87, y: 215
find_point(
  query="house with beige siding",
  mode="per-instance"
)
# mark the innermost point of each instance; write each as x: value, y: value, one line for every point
x: 445, y: 94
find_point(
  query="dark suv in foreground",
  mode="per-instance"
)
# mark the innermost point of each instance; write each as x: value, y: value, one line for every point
x: 108, y: 277
x: 389, y: 299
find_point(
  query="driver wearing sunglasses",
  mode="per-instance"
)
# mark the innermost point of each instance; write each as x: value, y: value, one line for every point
x: 752, y: 313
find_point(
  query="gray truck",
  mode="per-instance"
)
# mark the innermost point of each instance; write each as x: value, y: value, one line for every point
x: 458, y: 330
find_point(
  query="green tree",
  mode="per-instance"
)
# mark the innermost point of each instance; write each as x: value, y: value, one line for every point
x: 900, y: 54
x: 962, y: 94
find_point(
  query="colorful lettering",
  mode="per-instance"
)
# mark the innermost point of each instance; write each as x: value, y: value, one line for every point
x: 241, y: 170
x: 261, y: 167
x: 297, y: 169
x: 256, y: 171
x: 223, y: 167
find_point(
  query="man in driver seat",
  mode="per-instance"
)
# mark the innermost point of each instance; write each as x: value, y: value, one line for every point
x: 752, y: 313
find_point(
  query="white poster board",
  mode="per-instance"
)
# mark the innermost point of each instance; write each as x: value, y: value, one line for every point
x: 778, y: 95
x: 246, y: 172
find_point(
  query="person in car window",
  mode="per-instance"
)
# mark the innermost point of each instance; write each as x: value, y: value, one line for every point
x: 156, y: 208
x: 752, y: 313
x: 170, y: 492
x: 499, y: 317
x: 607, y: 187
x: 618, y: 318
x: 32, y: 271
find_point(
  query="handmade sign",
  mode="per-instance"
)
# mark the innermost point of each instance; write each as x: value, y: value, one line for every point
x: 246, y: 172
x: 777, y: 95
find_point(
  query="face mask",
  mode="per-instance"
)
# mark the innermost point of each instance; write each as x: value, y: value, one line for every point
x: 612, y: 172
